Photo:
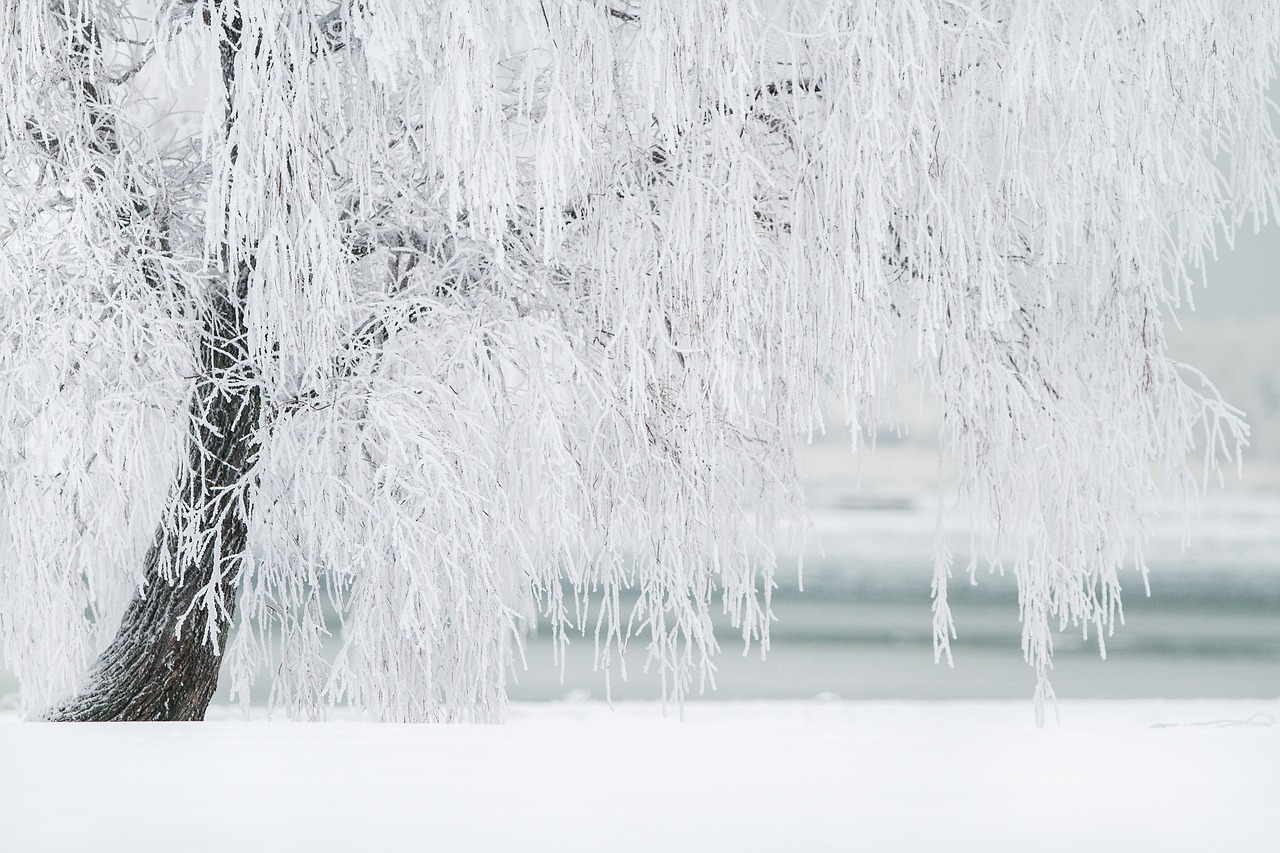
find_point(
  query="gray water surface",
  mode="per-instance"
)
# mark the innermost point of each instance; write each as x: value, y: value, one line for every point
x: 867, y: 634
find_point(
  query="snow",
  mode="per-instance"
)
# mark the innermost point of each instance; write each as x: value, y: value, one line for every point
x: 1134, y: 775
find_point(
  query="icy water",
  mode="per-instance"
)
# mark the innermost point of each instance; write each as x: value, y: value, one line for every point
x: 862, y: 627
x: 867, y: 635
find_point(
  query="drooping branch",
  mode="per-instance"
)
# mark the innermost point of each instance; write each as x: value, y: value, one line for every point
x: 107, y: 155
x: 333, y: 28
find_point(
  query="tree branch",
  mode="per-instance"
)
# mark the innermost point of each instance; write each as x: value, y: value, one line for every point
x: 621, y: 15
x: 103, y: 138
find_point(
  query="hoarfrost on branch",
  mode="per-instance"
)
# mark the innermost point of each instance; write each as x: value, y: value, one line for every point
x: 535, y: 298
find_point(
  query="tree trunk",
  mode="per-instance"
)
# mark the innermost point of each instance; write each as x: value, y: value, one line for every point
x: 163, y: 663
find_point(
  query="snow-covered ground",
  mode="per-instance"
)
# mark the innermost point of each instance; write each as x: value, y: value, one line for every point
x: 1133, y: 775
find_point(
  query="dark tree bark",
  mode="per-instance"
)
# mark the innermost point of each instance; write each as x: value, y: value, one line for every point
x: 164, y: 660
x: 163, y: 663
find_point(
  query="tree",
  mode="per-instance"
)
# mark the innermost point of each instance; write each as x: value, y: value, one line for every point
x: 446, y: 314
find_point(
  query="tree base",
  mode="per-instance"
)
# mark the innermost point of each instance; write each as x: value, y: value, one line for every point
x: 157, y: 667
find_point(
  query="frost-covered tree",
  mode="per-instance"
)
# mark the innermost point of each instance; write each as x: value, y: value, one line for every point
x: 446, y: 314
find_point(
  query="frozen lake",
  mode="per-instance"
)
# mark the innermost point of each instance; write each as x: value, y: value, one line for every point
x: 862, y: 627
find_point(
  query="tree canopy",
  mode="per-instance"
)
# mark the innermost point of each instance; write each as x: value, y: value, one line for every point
x: 448, y: 314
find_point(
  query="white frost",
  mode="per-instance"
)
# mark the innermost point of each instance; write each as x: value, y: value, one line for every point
x: 542, y: 297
